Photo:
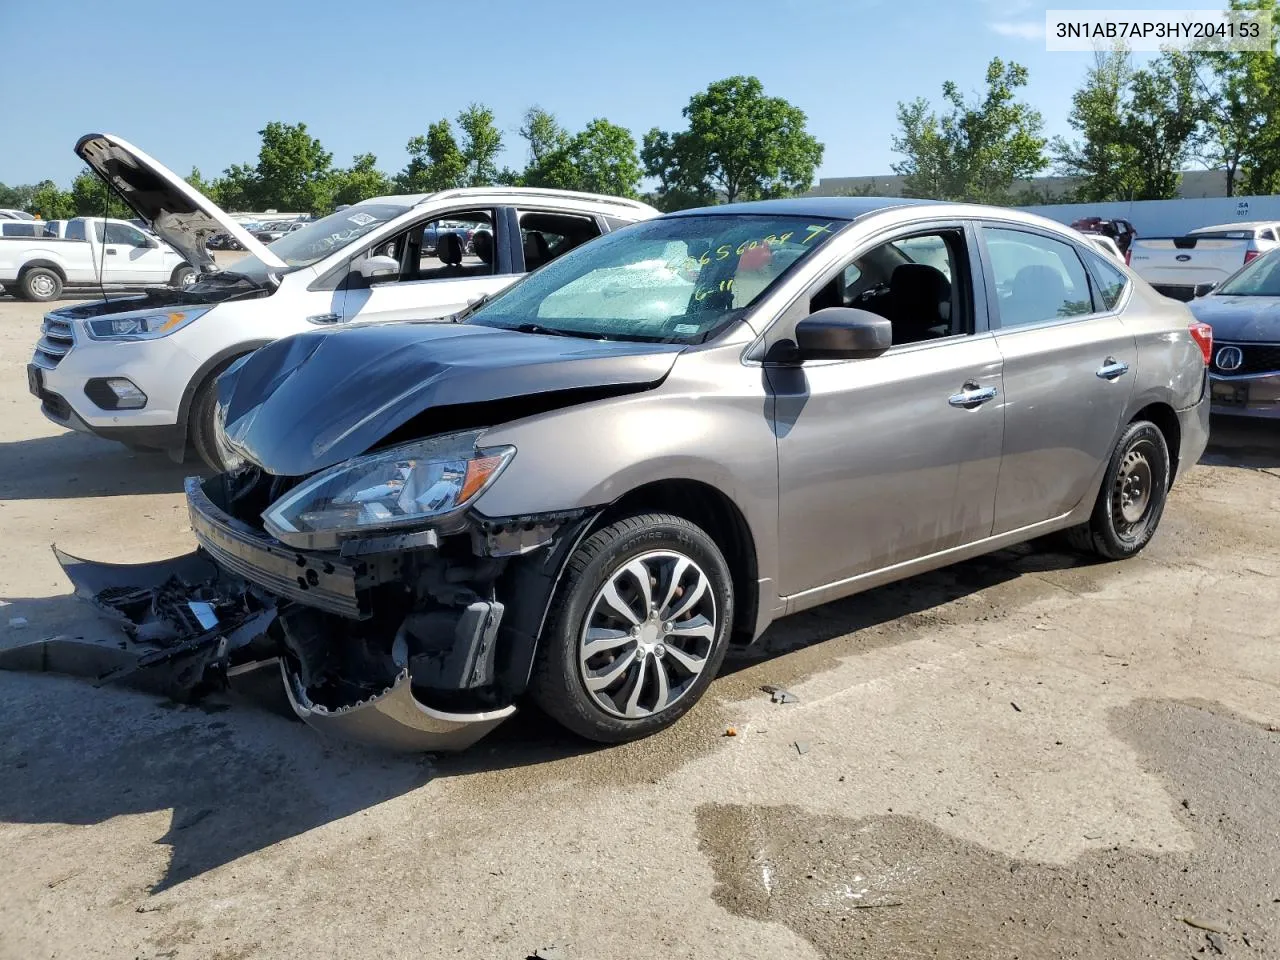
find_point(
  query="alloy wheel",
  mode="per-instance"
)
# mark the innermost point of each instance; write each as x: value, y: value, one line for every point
x: 647, y: 635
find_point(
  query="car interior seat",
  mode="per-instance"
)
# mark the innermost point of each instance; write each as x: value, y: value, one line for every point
x: 536, y: 250
x: 449, y: 252
x: 482, y: 244
x: 919, y: 301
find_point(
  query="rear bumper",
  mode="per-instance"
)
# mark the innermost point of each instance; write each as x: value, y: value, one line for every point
x: 1193, y: 424
x: 1255, y: 395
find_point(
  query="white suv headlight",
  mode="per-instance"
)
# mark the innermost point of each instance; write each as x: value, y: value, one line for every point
x: 147, y: 326
x: 402, y: 486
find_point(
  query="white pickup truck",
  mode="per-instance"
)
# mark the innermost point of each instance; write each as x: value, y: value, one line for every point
x: 1187, y: 267
x: 40, y: 268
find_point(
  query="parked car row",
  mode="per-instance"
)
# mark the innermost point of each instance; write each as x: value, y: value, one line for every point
x: 580, y: 487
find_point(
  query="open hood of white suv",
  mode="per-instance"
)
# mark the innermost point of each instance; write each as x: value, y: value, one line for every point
x: 180, y: 215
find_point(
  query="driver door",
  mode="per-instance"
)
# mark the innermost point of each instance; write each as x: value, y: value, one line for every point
x: 887, y: 459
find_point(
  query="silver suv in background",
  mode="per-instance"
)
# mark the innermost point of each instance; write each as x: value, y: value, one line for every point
x: 590, y: 485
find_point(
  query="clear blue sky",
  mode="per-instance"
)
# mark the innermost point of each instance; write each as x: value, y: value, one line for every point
x: 191, y: 83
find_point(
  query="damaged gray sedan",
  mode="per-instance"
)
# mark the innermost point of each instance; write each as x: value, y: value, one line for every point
x: 581, y: 492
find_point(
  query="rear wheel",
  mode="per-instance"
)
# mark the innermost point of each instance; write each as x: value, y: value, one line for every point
x: 1132, y: 498
x: 639, y: 627
x: 40, y: 284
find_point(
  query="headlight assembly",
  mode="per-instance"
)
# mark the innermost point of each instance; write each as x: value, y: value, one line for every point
x: 146, y: 326
x: 402, y: 486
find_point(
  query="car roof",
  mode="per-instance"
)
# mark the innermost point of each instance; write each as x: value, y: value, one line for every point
x: 499, y: 194
x: 837, y: 208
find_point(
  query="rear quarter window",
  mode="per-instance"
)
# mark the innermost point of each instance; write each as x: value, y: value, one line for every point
x: 1110, y: 279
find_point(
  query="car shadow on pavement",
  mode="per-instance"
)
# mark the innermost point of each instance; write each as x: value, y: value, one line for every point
x: 240, y: 773
x: 71, y: 465
x: 1243, y: 442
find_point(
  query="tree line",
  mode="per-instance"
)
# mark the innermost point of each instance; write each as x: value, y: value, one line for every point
x: 1134, y: 130
x: 738, y: 144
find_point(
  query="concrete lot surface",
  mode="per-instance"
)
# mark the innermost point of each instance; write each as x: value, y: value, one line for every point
x: 1027, y: 756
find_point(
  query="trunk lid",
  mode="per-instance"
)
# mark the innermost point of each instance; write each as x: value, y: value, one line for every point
x: 180, y: 215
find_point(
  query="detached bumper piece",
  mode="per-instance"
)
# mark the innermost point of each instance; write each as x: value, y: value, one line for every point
x: 180, y: 626
x: 391, y: 647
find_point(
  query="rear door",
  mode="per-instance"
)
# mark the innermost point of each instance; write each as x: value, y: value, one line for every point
x: 1068, y: 371
x: 440, y: 272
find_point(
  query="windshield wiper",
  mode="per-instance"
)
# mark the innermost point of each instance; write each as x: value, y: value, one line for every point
x: 554, y: 331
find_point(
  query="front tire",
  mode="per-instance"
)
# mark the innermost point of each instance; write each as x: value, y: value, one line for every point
x: 40, y: 284
x: 1131, y: 501
x: 183, y: 277
x: 201, y: 426
x: 640, y: 624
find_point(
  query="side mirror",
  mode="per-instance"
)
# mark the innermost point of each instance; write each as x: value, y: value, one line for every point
x: 379, y: 266
x: 842, y: 333
x: 1203, y: 289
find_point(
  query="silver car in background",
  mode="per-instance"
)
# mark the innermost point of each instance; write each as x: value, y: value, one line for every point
x: 583, y: 491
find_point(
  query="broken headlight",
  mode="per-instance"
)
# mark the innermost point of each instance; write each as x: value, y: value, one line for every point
x: 402, y: 486
x: 147, y: 326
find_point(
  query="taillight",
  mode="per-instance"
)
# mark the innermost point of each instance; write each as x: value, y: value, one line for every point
x: 1128, y: 254
x: 1202, y: 334
x: 1249, y: 255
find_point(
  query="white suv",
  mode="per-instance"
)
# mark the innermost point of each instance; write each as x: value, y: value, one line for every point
x: 141, y: 369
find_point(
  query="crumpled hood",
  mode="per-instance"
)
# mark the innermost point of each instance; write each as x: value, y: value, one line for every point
x: 1241, y: 319
x: 180, y: 215
x: 315, y: 399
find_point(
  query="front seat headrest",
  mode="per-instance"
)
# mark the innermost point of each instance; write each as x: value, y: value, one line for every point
x: 536, y: 250
x: 482, y: 244
x: 449, y: 249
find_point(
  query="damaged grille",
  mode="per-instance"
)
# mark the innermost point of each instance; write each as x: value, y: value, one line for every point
x: 56, y: 339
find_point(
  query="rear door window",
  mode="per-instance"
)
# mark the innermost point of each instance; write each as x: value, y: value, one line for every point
x: 1037, y: 278
x: 545, y: 235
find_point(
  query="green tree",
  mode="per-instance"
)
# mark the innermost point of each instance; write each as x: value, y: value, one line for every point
x: 17, y: 197
x: 1241, y: 90
x: 360, y: 181
x: 739, y: 144
x: 1161, y: 125
x: 198, y: 182
x: 481, y: 144
x: 293, y: 170
x: 1103, y: 161
x: 662, y: 162
x: 236, y: 189
x: 600, y: 159
x: 543, y: 133
x: 91, y: 198
x: 976, y: 149
x: 435, y: 161
x: 50, y: 202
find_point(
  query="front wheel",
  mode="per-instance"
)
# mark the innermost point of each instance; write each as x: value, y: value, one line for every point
x: 183, y: 277
x: 201, y: 424
x: 1132, y: 498
x: 639, y: 628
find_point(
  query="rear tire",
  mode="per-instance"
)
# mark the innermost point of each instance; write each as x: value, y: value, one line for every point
x: 1132, y: 498
x: 646, y: 670
x: 40, y: 284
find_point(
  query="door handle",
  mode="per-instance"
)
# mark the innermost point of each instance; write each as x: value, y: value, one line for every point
x: 111, y: 253
x: 324, y: 318
x: 972, y: 395
x: 1112, y: 369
